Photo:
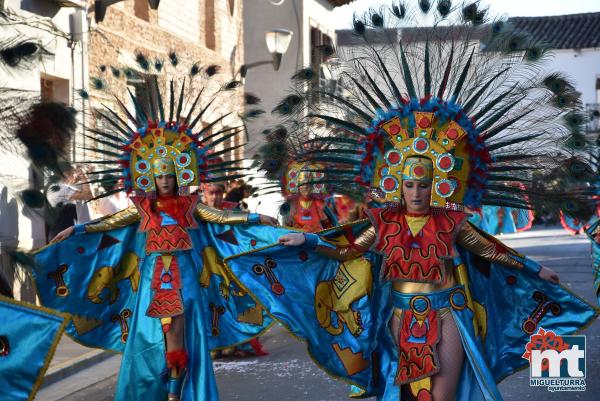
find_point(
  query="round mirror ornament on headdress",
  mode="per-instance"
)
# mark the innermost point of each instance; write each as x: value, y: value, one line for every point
x: 304, y: 175
x: 156, y: 151
x: 422, y: 146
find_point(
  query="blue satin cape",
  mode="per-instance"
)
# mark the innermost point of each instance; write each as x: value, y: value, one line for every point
x: 104, y: 285
x: 323, y: 299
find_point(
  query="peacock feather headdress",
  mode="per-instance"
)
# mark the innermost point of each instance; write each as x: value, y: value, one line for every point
x: 285, y: 161
x: 187, y: 135
x: 448, y: 84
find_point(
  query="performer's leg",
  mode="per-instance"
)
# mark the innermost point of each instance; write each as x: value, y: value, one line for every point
x: 176, y: 356
x: 174, y: 336
x: 451, y: 357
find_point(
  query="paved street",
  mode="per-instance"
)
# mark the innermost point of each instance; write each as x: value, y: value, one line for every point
x: 288, y: 374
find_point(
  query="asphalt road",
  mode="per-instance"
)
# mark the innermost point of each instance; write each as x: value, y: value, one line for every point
x: 288, y: 374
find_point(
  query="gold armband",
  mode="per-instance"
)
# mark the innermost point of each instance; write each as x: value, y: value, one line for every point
x: 120, y: 219
x: 212, y: 215
x: 487, y: 247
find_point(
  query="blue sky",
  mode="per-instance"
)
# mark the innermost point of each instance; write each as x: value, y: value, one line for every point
x: 510, y: 8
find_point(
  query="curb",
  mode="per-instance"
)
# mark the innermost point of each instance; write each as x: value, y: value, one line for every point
x: 75, y: 365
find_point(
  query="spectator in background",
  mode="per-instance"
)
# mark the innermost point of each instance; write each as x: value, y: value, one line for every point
x: 237, y: 193
x: 213, y: 196
x: 68, y: 200
x: 112, y: 204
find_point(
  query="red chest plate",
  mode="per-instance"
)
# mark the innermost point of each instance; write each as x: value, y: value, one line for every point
x: 309, y: 219
x: 167, y: 237
x: 415, y: 257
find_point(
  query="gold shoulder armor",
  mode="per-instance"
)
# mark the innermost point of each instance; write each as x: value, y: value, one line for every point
x: 212, y: 215
x: 120, y: 219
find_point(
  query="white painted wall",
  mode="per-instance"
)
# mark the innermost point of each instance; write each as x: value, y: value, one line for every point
x: 297, y: 16
x: 182, y: 18
x: 271, y: 86
x: 583, y: 66
x: 318, y: 14
x: 230, y: 30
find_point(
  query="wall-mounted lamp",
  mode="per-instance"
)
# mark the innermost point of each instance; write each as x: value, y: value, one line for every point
x: 278, y: 42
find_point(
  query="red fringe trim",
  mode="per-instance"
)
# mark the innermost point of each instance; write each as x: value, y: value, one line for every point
x: 177, y: 359
x: 258, y: 347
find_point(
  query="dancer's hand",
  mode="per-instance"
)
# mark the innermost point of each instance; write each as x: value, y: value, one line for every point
x: 64, y: 234
x: 548, y: 274
x: 292, y: 239
x: 268, y: 220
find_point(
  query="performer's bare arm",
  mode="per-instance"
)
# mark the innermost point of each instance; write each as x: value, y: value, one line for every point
x: 361, y: 245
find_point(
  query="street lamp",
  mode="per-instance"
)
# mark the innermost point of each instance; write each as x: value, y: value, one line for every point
x: 278, y: 41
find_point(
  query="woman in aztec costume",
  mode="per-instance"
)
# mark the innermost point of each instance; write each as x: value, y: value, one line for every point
x: 307, y: 200
x: 35, y: 132
x: 423, y: 305
x: 593, y: 232
x: 148, y: 281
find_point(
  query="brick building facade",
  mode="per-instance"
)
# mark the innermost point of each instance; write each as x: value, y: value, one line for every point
x: 199, y: 31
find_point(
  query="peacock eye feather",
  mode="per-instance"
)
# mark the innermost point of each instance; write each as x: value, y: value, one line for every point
x: 359, y: 27
x: 399, y: 10
x: 285, y: 208
x: 158, y: 65
x: 98, y: 83
x: 212, y: 70
x: 129, y: 73
x: 195, y: 69
x: 497, y: 27
x: 533, y: 54
x: 425, y: 6
x: 142, y: 61
x: 251, y: 99
x: 173, y: 59
x: 115, y: 71
x: 576, y: 142
x: 232, y: 85
x: 377, y: 20
x: 444, y: 7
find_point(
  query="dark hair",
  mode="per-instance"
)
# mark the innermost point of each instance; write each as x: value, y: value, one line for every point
x: 235, y: 194
x: 109, y: 181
